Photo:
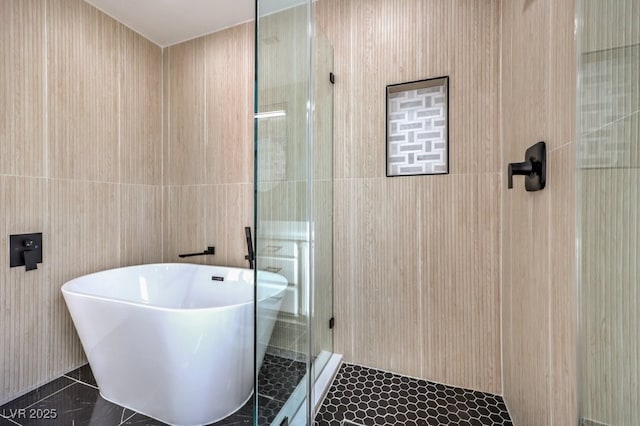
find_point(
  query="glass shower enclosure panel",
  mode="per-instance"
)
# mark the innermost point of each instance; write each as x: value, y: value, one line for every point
x: 322, y: 321
x: 293, y: 208
x: 609, y: 212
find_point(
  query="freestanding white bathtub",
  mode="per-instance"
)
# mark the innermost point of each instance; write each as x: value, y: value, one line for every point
x: 174, y: 341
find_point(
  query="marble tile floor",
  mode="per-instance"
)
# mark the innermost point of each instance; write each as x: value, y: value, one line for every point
x: 289, y: 335
x: 358, y: 396
x: 73, y: 399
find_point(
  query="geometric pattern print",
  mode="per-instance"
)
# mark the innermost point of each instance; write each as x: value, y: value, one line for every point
x: 417, y: 135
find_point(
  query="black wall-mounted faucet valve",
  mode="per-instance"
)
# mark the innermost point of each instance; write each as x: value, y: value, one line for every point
x: 533, y: 168
x: 25, y: 250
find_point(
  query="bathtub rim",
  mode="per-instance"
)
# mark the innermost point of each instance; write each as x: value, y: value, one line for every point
x: 274, y: 280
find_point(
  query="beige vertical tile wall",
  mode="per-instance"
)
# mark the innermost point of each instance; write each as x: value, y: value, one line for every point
x: 208, y: 146
x: 141, y: 117
x: 22, y: 105
x: 83, y: 100
x: 283, y: 84
x: 83, y: 64
x: 80, y: 138
x: 184, y: 160
x: 417, y: 258
x: 229, y: 99
x: 610, y: 24
x: 609, y: 296
x: 538, y: 238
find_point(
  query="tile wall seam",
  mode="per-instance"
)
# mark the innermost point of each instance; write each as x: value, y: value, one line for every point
x: 8, y: 175
x: 501, y: 41
x: 226, y: 236
x: 205, y: 185
x: 45, y: 73
x: 561, y: 147
x: 139, y: 185
x: 162, y: 135
x: 577, y: 213
x: 442, y: 176
x: 166, y: 111
x: 66, y: 179
x: 550, y: 345
x: 122, y: 57
x: 420, y: 288
x: 167, y: 114
x: 205, y: 121
x: 122, y: 43
x: 611, y: 123
x: 352, y: 53
x: 549, y: 302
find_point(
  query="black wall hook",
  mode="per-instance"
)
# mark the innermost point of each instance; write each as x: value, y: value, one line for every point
x: 534, y: 168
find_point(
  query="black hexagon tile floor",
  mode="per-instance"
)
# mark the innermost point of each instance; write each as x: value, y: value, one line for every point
x: 364, y: 396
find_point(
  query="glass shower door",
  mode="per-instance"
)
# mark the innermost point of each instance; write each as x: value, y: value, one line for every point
x: 321, y: 323
x: 293, y: 209
x: 609, y: 224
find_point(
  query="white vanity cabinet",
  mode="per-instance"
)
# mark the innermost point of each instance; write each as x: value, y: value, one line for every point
x: 283, y: 250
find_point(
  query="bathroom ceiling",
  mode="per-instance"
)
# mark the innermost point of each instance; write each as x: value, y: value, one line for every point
x: 167, y: 22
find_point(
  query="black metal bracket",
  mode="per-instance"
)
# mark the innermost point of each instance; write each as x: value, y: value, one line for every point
x: 332, y: 78
x: 534, y: 168
x: 332, y: 322
x: 209, y: 251
x: 25, y: 250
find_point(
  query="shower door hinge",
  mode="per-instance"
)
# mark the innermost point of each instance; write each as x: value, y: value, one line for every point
x: 285, y: 422
x: 332, y: 78
x: 332, y: 322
